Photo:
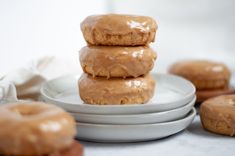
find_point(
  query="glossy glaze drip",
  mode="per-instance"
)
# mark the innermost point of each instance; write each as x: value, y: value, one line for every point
x: 200, y: 69
x: 119, y: 24
x: 115, y: 89
x: 132, y: 60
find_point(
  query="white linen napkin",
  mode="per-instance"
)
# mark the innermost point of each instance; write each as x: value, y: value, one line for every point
x: 25, y: 83
x: 7, y: 92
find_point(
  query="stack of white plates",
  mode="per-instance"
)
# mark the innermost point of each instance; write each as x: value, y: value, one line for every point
x: 168, y: 112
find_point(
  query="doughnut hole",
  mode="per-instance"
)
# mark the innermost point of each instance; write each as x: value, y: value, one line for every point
x: 27, y: 110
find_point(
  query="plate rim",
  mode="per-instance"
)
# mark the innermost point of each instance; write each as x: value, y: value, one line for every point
x: 156, y: 133
x: 191, y: 114
x: 191, y: 103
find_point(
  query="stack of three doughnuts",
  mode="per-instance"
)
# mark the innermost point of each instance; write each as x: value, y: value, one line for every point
x: 117, y: 60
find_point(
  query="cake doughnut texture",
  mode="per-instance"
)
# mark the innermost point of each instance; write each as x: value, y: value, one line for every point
x: 218, y: 115
x: 34, y: 128
x: 114, y: 61
x: 117, y: 29
x: 203, y: 74
x: 103, y: 91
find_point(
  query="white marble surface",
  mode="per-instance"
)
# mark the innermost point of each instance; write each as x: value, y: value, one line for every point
x: 194, y: 141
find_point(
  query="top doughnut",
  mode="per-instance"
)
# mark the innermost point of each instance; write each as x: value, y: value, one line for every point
x: 120, y: 30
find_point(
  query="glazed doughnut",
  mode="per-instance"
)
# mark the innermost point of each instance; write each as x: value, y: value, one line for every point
x: 114, y: 61
x: 116, y: 29
x: 203, y: 95
x: 34, y: 128
x: 203, y: 74
x: 218, y: 114
x: 103, y: 91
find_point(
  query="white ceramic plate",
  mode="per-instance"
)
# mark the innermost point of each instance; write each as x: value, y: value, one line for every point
x: 171, y: 92
x: 146, y: 118
x: 132, y: 133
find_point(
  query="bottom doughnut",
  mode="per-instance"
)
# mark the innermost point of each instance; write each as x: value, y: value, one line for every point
x: 116, y: 91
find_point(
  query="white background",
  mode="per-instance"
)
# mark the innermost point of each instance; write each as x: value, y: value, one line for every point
x: 30, y: 29
x: 187, y: 29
